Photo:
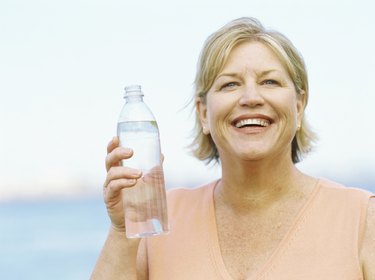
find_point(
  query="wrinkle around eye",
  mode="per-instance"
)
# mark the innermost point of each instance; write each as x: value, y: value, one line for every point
x: 271, y: 83
x: 229, y: 86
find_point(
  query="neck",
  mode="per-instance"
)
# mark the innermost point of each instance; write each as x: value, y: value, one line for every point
x: 257, y: 184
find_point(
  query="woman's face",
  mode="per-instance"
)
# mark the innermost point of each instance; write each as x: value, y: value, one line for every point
x: 252, y: 109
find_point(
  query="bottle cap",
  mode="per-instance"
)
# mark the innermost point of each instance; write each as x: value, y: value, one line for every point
x: 133, y: 90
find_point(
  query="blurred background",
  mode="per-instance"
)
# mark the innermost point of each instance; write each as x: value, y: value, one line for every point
x: 63, y: 67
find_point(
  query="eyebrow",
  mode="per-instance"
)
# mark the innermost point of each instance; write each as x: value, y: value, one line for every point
x: 266, y: 72
x: 227, y: 75
x: 234, y: 74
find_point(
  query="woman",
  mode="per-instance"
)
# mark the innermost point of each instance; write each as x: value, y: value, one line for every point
x: 264, y: 219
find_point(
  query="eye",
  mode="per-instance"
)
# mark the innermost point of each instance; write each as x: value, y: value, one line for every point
x: 270, y: 82
x: 228, y: 86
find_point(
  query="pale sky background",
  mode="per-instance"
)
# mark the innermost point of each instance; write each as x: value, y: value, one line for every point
x: 64, y: 64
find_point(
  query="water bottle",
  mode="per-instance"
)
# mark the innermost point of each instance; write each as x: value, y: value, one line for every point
x: 145, y: 207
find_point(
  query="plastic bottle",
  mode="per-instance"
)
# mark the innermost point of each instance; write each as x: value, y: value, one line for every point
x: 145, y: 207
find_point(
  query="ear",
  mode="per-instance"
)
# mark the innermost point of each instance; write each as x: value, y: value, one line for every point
x: 301, y: 103
x: 201, y: 108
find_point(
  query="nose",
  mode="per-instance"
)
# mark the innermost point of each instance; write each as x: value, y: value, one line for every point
x: 251, y: 96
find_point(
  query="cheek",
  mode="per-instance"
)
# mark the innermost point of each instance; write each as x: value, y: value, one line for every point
x: 217, y: 117
x: 290, y: 107
x: 292, y: 118
x: 216, y: 109
x: 287, y: 112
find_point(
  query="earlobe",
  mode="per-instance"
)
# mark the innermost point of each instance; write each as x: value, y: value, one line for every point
x: 301, y: 102
x: 202, y: 113
x: 205, y: 130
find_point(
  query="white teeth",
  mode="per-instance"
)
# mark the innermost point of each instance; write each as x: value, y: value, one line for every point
x: 261, y: 122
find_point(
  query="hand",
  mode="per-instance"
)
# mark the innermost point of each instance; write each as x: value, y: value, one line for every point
x: 118, y: 178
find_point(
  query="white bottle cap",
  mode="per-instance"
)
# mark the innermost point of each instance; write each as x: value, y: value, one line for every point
x: 133, y: 90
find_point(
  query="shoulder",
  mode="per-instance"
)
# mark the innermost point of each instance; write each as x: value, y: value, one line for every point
x: 177, y: 197
x: 359, y: 202
x: 346, y: 193
x: 347, y: 205
x: 368, y: 244
x: 175, y: 193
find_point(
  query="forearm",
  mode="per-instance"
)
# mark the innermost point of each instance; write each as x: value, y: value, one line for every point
x: 117, y: 259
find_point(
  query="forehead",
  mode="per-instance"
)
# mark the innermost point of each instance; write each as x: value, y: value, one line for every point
x: 253, y: 56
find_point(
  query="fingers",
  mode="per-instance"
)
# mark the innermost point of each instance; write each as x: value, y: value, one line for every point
x: 113, y: 144
x: 116, y: 155
x: 121, y: 173
x: 119, y: 178
x: 113, y: 189
x: 155, y: 176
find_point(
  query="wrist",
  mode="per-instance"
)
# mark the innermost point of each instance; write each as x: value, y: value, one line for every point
x: 120, y: 237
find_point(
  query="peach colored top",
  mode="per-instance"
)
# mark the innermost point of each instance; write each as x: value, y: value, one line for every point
x: 323, y: 242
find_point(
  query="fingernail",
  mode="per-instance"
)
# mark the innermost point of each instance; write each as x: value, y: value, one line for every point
x: 136, y: 172
x: 132, y: 181
x: 125, y: 150
x: 128, y: 151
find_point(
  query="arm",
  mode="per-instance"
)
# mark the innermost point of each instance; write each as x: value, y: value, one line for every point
x: 368, y: 245
x: 118, y: 259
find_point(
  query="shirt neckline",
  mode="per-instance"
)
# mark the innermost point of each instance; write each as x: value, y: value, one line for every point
x: 213, y: 239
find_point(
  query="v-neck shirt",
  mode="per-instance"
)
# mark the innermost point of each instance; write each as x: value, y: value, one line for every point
x: 322, y: 242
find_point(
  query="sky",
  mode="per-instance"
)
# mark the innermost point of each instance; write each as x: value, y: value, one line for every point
x: 64, y: 64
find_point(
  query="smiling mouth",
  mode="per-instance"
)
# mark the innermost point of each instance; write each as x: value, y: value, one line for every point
x: 252, y: 123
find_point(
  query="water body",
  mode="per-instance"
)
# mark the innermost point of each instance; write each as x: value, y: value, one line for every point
x: 57, y: 240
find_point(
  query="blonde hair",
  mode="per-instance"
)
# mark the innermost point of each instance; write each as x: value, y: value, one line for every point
x: 214, y: 56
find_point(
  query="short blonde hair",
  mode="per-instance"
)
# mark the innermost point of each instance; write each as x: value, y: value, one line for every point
x: 214, y: 56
